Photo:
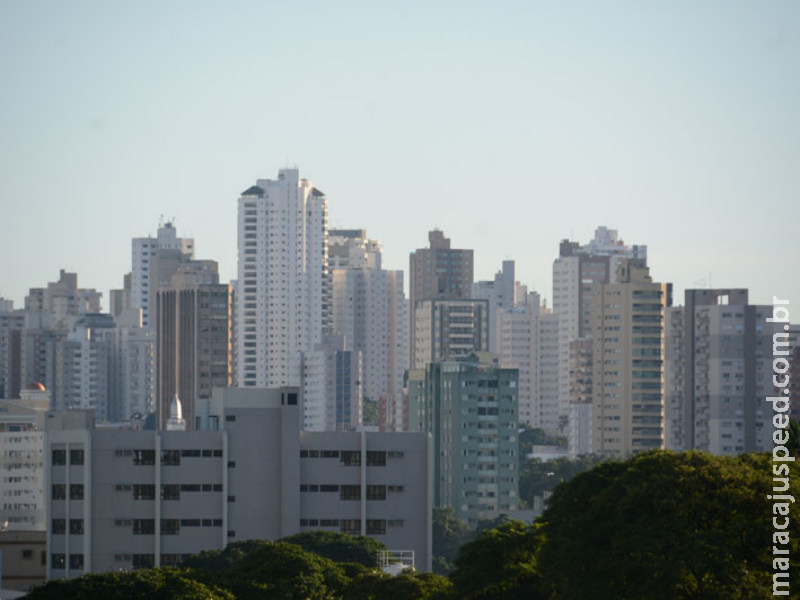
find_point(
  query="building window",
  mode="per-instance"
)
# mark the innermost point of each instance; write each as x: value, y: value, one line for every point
x: 59, y: 526
x: 170, y: 526
x: 376, y: 527
x: 76, y: 526
x: 171, y: 457
x: 27, y: 554
x: 59, y: 458
x: 58, y: 561
x: 350, y: 458
x: 76, y: 457
x: 76, y: 491
x: 171, y: 491
x: 329, y: 454
x: 350, y: 492
x: 144, y: 526
x: 351, y: 526
x: 144, y: 457
x: 328, y: 488
x: 143, y: 561
x: 144, y: 491
x: 376, y: 492
x: 230, y: 418
x: 59, y: 491
x: 190, y: 453
x: 190, y: 522
x: 170, y: 560
x: 376, y: 459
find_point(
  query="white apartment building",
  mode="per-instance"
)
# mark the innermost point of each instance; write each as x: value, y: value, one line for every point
x: 576, y: 269
x: 332, y: 387
x: 282, y: 305
x: 370, y: 311
x: 503, y: 293
x: 528, y: 341
x: 144, y: 281
x: 22, y: 501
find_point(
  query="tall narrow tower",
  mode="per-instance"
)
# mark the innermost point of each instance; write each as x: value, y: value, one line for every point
x: 282, y: 304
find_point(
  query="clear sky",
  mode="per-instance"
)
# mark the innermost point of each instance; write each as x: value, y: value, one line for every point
x: 509, y: 125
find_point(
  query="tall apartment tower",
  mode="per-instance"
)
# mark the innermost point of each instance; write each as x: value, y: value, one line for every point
x: 145, y: 276
x: 63, y: 299
x: 528, y: 340
x: 332, y: 387
x: 627, y: 362
x: 12, y: 322
x: 470, y: 407
x: 282, y: 304
x: 719, y: 352
x: 448, y: 329
x: 194, y: 339
x: 371, y: 312
x: 503, y: 293
x: 575, y: 272
x: 438, y: 272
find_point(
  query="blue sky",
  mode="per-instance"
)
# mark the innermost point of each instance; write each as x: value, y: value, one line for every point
x: 508, y: 125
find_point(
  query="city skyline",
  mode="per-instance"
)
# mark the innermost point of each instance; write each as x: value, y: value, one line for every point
x: 509, y: 129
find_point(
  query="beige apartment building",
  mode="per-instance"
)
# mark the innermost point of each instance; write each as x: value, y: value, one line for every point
x: 627, y: 357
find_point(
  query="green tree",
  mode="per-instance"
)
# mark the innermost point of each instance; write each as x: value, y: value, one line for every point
x: 449, y: 534
x: 375, y: 585
x: 794, y: 438
x: 339, y: 547
x: 537, y: 476
x: 665, y: 525
x: 257, y: 569
x: 500, y: 565
x: 369, y: 411
x: 148, y: 584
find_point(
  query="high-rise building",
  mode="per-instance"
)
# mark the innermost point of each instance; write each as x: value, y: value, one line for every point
x: 134, y: 367
x: 447, y: 329
x: 470, y: 407
x: 12, y: 322
x: 438, y: 273
x: 63, y: 299
x: 528, y: 341
x: 194, y: 351
x: 503, y: 293
x: 283, y: 298
x: 146, y: 273
x: 719, y: 353
x: 580, y: 397
x: 371, y: 312
x: 332, y: 389
x: 575, y: 272
x: 627, y: 361
x: 86, y: 377
x: 22, y: 500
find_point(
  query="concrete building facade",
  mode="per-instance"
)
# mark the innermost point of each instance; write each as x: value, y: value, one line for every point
x: 719, y: 353
x: 283, y: 300
x: 438, y: 272
x: 147, y: 273
x: 447, y: 329
x: 627, y: 362
x: 124, y: 499
x: 576, y: 272
x: 471, y: 409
